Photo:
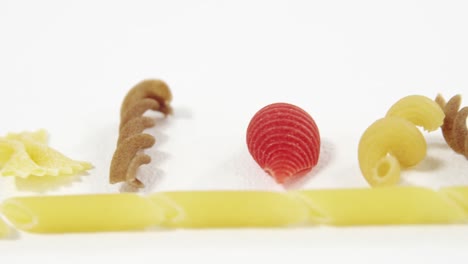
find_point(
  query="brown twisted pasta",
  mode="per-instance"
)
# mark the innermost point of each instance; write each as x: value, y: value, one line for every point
x: 146, y: 95
x: 454, y: 128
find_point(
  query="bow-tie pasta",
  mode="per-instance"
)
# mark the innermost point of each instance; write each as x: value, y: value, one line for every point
x: 27, y: 154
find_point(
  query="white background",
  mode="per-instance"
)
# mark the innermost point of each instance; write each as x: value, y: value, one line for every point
x: 65, y: 66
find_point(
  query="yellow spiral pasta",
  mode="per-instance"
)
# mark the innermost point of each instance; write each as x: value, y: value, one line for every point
x: 419, y: 110
x: 236, y: 209
x: 394, y: 141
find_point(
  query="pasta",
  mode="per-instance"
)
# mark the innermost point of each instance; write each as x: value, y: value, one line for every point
x: 27, y: 154
x: 4, y: 230
x: 284, y: 140
x: 81, y: 213
x: 454, y: 128
x: 394, y: 141
x: 146, y: 95
x: 419, y: 110
x: 381, y: 206
x: 203, y: 209
x: 236, y: 209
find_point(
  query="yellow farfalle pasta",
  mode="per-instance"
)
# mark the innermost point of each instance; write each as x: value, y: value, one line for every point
x: 4, y: 229
x: 82, y: 213
x: 234, y: 209
x: 27, y: 154
x: 394, y: 141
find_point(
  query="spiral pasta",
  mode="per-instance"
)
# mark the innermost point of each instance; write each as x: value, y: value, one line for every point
x: 146, y: 95
x: 235, y: 209
x: 394, y: 141
x: 454, y: 128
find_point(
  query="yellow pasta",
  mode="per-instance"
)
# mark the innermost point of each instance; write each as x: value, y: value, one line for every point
x: 385, y: 146
x: 202, y: 209
x: 81, y: 213
x: 27, y: 154
x: 457, y: 194
x: 394, y: 141
x: 4, y: 230
x: 419, y: 110
x: 235, y: 209
x: 381, y: 206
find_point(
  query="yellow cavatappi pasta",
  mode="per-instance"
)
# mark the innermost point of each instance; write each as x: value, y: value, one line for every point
x: 234, y: 209
x: 394, y: 141
x: 82, y: 213
x: 385, y: 146
x: 419, y: 110
x: 27, y: 154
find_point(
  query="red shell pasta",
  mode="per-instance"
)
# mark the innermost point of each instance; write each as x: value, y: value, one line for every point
x: 284, y: 140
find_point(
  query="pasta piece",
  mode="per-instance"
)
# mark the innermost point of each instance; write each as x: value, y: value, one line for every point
x: 26, y: 154
x: 385, y: 146
x: 419, y: 110
x: 454, y: 128
x: 381, y: 206
x: 203, y: 209
x: 284, y: 140
x: 82, y: 213
x: 458, y: 195
x: 4, y: 229
x: 146, y: 95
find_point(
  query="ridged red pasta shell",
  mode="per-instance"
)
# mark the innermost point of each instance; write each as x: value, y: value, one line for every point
x: 284, y: 140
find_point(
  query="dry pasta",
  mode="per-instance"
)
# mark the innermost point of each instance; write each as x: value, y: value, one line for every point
x: 394, y: 141
x: 81, y: 213
x: 127, y: 158
x: 385, y: 146
x: 419, y: 110
x: 27, y: 154
x: 235, y: 209
x: 4, y: 229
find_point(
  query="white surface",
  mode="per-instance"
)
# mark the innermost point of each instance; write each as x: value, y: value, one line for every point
x: 66, y: 66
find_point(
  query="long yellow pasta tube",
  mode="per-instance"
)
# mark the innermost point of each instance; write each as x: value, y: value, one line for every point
x: 457, y: 194
x: 4, y: 230
x: 381, y: 206
x: 394, y: 141
x: 234, y: 209
x: 81, y: 213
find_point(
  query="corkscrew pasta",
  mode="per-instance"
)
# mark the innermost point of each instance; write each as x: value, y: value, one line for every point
x: 454, y: 128
x: 394, y: 141
x: 146, y: 95
x: 234, y: 209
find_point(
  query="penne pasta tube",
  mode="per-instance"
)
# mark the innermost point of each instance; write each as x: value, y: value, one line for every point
x: 202, y: 209
x: 380, y: 206
x: 4, y: 229
x: 81, y: 213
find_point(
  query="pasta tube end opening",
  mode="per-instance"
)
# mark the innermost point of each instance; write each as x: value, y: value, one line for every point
x: 20, y: 216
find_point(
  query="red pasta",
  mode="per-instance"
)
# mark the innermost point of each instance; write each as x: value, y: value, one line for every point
x: 284, y: 140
